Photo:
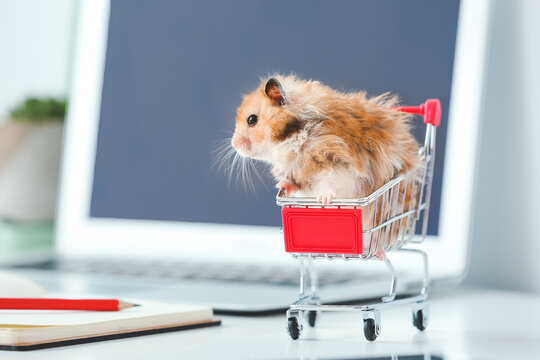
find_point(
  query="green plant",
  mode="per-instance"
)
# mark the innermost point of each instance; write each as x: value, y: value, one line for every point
x: 39, y: 110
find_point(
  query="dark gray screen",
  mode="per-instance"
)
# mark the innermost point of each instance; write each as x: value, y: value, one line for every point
x: 175, y: 72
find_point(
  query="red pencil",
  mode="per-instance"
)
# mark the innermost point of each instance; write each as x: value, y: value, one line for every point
x: 64, y: 304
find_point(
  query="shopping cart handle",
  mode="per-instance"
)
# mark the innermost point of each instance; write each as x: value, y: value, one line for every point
x: 430, y: 110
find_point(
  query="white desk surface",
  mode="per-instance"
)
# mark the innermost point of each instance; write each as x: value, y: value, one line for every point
x: 465, y: 323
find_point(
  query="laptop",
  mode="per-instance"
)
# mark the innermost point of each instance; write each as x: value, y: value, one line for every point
x: 145, y: 211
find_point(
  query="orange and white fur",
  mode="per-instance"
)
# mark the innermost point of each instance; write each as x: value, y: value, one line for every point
x: 325, y: 143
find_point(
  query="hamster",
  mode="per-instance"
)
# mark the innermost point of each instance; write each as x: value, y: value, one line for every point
x: 324, y: 143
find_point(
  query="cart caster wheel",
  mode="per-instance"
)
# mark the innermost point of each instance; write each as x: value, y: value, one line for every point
x: 311, y: 318
x: 419, y: 320
x: 293, y: 327
x: 371, y: 330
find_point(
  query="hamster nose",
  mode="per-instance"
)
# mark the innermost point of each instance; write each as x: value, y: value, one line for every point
x: 241, y: 143
x: 235, y: 142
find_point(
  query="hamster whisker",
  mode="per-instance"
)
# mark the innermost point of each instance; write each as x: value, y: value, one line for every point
x: 225, y: 159
x: 236, y: 167
x: 246, y: 180
x: 222, y: 156
x: 256, y: 171
x: 237, y: 159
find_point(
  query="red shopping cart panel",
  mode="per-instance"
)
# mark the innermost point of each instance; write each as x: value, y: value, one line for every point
x: 316, y: 230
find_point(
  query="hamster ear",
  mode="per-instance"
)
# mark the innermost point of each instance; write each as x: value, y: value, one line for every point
x: 275, y: 92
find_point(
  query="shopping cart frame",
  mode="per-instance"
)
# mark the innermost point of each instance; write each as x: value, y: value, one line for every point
x: 394, y: 218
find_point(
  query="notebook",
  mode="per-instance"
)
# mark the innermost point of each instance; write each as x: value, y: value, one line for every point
x: 38, y: 329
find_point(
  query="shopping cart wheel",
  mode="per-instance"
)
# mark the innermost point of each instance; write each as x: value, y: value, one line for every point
x: 293, y: 327
x: 311, y: 318
x: 419, y: 319
x: 371, y: 330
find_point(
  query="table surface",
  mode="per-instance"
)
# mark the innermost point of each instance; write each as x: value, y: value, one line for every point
x: 465, y: 323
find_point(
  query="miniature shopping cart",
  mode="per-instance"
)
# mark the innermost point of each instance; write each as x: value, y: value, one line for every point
x: 337, y: 231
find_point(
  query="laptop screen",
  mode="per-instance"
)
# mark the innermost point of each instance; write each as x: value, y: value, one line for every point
x: 175, y: 73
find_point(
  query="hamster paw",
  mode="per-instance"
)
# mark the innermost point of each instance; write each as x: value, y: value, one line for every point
x: 381, y: 254
x: 327, y: 197
x: 288, y: 187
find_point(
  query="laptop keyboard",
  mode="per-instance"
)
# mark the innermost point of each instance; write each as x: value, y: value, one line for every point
x: 205, y: 271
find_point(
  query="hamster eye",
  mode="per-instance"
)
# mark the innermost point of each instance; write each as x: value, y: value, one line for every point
x: 252, y: 120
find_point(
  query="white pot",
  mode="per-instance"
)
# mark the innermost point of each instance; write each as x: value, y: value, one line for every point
x: 29, y: 165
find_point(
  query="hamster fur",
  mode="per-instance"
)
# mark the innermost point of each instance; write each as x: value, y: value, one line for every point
x: 324, y: 143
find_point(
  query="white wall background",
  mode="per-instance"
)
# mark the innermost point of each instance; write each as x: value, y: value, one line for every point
x: 506, y: 237
x: 35, y: 49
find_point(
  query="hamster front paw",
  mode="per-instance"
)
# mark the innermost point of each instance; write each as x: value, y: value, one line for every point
x: 288, y: 187
x: 327, y: 197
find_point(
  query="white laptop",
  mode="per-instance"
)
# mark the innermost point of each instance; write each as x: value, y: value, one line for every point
x: 144, y: 211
